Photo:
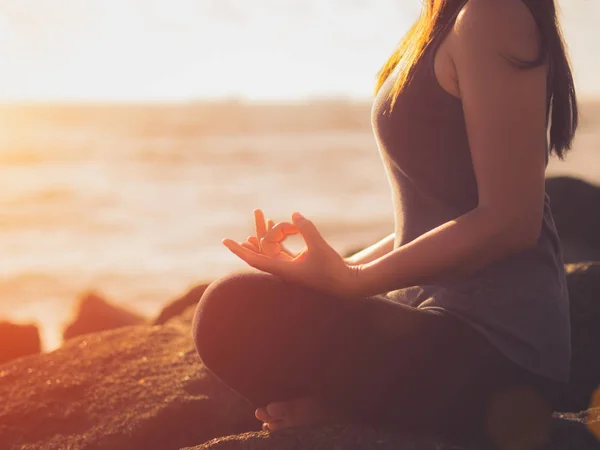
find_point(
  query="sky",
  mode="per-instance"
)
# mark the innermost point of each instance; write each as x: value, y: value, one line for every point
x: 179, y: 50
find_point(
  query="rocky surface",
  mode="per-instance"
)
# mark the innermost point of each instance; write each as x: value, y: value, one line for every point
x: 179, y: 305
x: 94, y: 313
x: 137, y: 387
x: 338, y: 437
x: 575, y: 206
x: 143, y: 387
x: 18, y: 340
x: 576, y: 432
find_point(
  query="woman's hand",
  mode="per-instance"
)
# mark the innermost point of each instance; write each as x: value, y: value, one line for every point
x: 318, y: 266
x: 261, y: 244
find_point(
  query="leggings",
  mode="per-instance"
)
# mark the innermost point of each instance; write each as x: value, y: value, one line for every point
x: 384, y: 363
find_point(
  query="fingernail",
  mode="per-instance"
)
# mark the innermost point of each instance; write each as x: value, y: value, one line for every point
x: 297, y: 216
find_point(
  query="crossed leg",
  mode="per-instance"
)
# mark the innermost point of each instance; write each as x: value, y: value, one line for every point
x: 304, y: 357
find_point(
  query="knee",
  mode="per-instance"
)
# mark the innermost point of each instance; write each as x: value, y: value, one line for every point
x: 224, y: 319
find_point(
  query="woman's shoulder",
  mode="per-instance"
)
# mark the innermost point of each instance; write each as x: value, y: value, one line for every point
x: 507, y: 26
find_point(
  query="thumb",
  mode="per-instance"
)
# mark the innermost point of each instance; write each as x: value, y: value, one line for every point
x: 309, y: 231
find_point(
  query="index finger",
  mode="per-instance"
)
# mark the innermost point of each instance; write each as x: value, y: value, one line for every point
x: 259, y: 221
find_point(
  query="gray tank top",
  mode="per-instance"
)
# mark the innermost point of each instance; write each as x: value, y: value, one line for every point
x: 519, y: 303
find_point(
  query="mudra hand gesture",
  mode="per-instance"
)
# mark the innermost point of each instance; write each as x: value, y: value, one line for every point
x: 269, y: 241
x: 318, y: 266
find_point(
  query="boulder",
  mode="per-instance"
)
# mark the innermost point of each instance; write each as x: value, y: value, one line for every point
x: 138, y: 387
x: 576, y: 432
x: 584, y: 292
x: 94, y: 313
x: 143, y: 387
x: 575, y: 206
x: 335, y: 437
x: 18, y: 340
x: 179, y: 305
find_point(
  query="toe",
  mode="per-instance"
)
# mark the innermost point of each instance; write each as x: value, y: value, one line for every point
x: 262, y: 415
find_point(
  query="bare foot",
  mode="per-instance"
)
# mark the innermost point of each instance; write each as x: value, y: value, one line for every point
x: 297, y: 412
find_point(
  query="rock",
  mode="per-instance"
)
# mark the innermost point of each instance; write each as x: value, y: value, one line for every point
x: 138, y: 387
x: 575, y: 206
x: 94, y: 313
x: 580, y: 432
x: 584, y: 292
x: 143, y: 387
x: 179, y: 305
x: 185, y: 317
x: 338, y: 437
x: 18, y: 340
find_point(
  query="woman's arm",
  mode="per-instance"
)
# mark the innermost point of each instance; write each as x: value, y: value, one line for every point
x: 383, y: 247
x: 454, y: 248
x: 505, y: 114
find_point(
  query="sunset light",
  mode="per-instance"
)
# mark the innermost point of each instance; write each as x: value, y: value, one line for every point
x: 126, y: 50
x: 369, y: 223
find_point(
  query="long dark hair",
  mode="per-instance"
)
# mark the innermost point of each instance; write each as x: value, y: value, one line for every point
x: 562, y: 99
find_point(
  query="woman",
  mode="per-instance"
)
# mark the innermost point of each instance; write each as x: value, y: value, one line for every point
x: 458, y: 322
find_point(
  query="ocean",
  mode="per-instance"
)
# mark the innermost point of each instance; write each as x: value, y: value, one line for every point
x: 132, y: 201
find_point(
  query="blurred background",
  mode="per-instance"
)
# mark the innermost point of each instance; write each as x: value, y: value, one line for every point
x: 135, y: 135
